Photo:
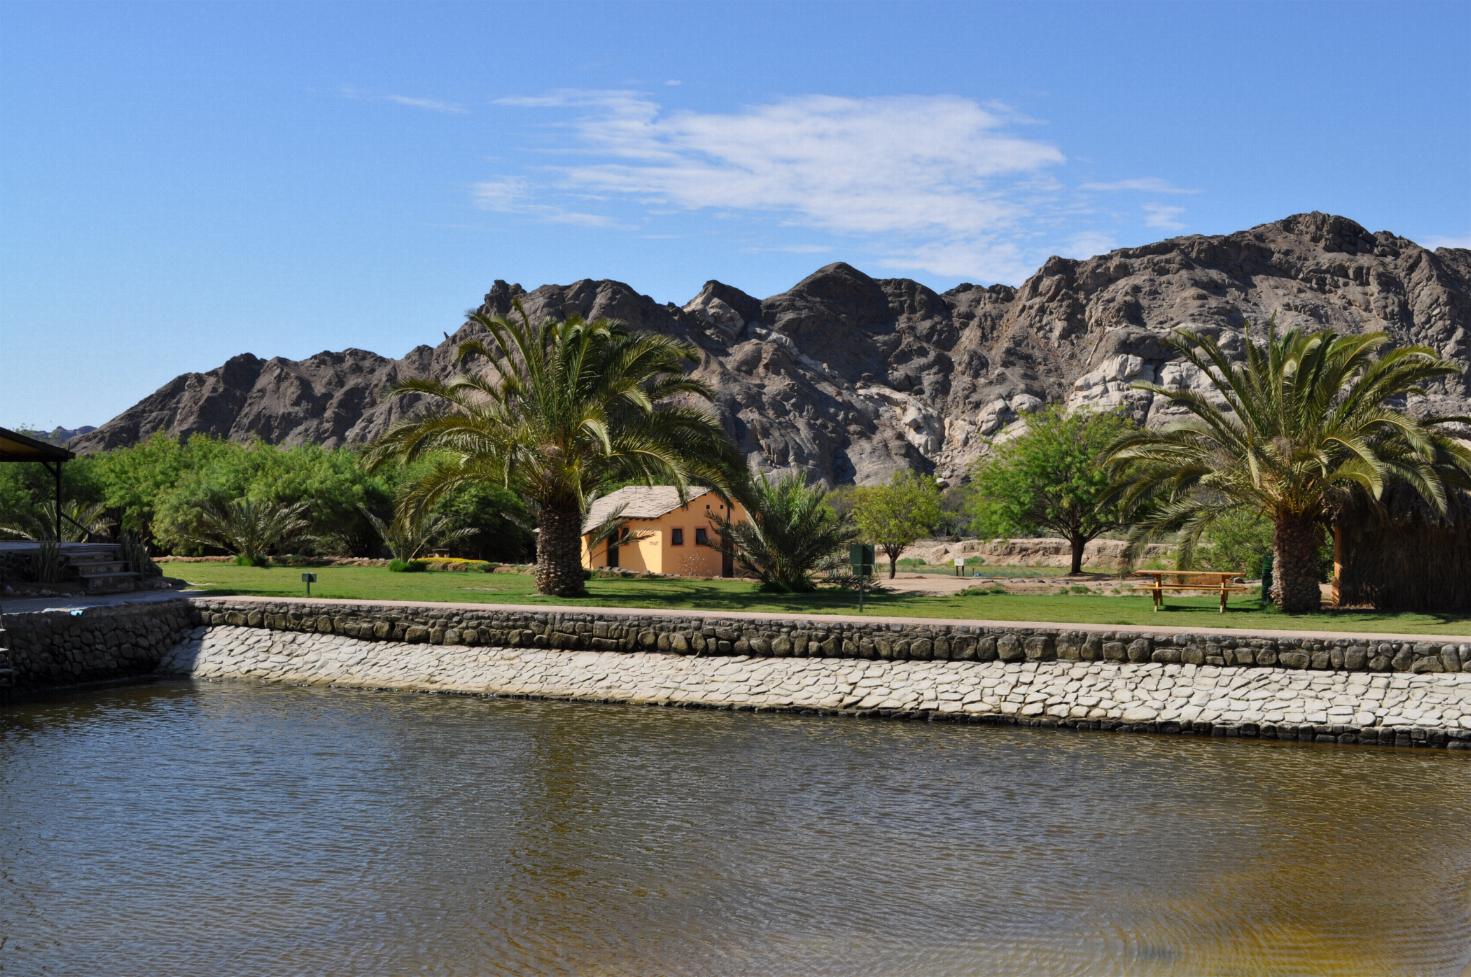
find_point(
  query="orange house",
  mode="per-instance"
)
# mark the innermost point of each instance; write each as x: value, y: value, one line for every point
x: 659, y: 534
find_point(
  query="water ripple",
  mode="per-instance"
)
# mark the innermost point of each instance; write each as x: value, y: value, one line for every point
x: 233, y: 829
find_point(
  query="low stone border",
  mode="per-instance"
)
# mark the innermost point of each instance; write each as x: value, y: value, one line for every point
x: 1303, y: 704
x: 50, y: 649
x: 799, y: 636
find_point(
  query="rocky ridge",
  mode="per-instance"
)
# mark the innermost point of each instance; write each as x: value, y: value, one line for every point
x: 852, y: 377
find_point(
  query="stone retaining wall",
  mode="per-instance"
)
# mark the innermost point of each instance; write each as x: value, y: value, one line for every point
x: 624, y: 630
x: 57, y: 648
x: 1325, y: 706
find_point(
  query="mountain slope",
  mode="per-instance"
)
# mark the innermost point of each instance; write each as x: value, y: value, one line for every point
x: 852, y: 377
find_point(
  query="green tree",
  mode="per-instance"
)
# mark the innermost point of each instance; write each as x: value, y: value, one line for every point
x: 791, y: 530
x: 1050, y: 479
x: 898, y: 514
x: 134, y: 480
x: 408, y: 535
x: 1298, y: 429
x: 79, y: 520
x: 249, y: 529
x: 566, y: 408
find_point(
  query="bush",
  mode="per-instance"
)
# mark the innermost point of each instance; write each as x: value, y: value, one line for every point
x: 407, y: 566
x: 455, y: 564
x: 250, y: 561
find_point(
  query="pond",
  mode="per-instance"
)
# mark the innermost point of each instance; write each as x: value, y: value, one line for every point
x: 234, y: 829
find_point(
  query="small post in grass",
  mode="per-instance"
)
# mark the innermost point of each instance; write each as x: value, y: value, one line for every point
x: 860, y: 557
x: 308, y: 579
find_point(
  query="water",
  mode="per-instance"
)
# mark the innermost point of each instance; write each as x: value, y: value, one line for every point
x: 242, y: 830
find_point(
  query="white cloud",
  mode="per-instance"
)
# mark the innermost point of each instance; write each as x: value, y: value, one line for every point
x: 1448, y: 241
x: 1144, y: 184
x: 1003, y: 261
x: 408, y: 101
x: 1086, y: 244
x: 1164, y: 217
x: 909, y: 170
x: 513, y: 195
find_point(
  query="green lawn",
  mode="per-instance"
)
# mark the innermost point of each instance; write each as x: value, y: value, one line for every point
x: 738, y: 595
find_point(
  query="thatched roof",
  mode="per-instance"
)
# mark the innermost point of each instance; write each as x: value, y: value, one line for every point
x: 638, y: 502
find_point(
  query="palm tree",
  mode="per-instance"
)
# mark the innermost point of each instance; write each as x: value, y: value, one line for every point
x: 566, y: 409
x: 79, y: 521
x: 791, y: 530
x: 407, y: 535
x: 248, y: 528
x: 1304, y: 425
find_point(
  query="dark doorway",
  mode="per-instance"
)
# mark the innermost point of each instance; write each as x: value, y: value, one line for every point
x: 613, y: 548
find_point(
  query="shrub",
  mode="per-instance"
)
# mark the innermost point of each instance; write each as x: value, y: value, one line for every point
x: 407, y: 566
x: 791, y: 531
x: 250, y: 561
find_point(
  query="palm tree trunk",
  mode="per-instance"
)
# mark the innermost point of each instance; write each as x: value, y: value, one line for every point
x: 1295, y: 564
x: 559, y: 552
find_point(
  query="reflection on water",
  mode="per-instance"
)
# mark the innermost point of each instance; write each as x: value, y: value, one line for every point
x: 233, y: 829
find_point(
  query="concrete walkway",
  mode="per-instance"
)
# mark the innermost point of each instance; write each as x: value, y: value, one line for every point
x: 728, y: 615
x: 84, y: 602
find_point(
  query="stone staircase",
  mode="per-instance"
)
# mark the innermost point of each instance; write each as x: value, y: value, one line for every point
x: 100, y: 567
x: 7, y: 673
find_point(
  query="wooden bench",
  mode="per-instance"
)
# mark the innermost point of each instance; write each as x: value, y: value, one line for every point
x: 1220, y: 582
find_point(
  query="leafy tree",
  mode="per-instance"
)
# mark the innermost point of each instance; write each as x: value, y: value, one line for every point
x: 1306, y: 424
x: 1050, y: 479
x: 133, y: 480
x: 791, y: 530
x: 1240, y: 539
x: 566, y: 408
x: 249, y: 529
x: 898, y: 514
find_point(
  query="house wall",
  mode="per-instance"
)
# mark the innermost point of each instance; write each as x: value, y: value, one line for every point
x: 692, y: 559
x: 641, y: 553
x: 652, y: 549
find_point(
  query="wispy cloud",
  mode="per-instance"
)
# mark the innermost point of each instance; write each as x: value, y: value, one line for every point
x: 1447, y: 241
x: 939, y: 179
x: 513, y: 195
x: 1089, y: 243
x: 940, y: 184
x: 1164, y: 217
x: 408, y: 101
x: 1143, y: 184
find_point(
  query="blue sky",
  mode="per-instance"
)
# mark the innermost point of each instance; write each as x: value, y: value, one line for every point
x: 181, y: 183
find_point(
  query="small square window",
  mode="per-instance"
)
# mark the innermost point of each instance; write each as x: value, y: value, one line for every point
x: 702, y: 537
x: 676, y: 537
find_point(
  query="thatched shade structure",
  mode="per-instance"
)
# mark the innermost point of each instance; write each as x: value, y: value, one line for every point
x: 15, y: 446
x: 1403, y: 556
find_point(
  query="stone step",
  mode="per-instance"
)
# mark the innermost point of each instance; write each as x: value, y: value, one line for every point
x: 96, y: 568
x: 119, y: 579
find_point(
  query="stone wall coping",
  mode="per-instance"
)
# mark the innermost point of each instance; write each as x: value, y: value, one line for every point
x: 821, y: 619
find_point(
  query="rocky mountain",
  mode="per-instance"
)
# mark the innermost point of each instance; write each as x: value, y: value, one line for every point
x: 852, y: 377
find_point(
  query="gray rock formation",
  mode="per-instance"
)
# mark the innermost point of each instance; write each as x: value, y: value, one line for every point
x: 852, y: 377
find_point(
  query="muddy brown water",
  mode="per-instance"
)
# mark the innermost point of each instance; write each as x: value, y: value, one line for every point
x: 234, y: 829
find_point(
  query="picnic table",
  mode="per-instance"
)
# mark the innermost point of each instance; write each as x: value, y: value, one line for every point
x: 1221, y: 582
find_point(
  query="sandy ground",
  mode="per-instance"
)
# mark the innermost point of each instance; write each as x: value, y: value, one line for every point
x: 941, y: 584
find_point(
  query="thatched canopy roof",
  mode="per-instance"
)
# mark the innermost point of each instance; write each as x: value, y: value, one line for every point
x: 15, y: 446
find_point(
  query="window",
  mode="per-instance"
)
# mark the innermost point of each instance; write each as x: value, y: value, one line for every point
x: 702, y: 537
x: 676, y: 537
